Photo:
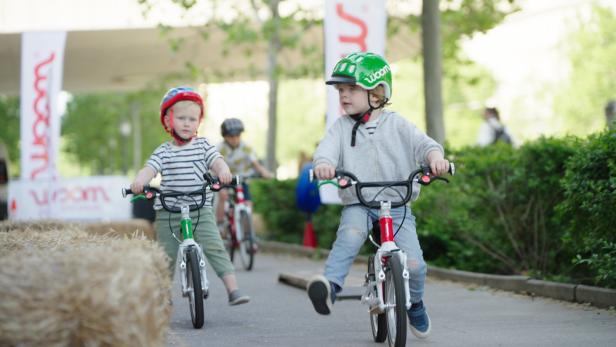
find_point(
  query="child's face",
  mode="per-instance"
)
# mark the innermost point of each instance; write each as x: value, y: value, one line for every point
x: 233, y: 140
x: 353, y: 98
x: 185, y: 120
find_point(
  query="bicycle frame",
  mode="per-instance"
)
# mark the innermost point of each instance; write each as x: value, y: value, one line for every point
x: 382, y: 255
x: 387, y: 248
x: 235, y: 208
x: 186, y: 247
x: 188, y: 242
x: 387, y: 269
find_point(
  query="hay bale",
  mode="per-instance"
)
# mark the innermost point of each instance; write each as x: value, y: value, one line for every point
x: 130, y: 228
x: 39, y: 225
x: 68, y: 287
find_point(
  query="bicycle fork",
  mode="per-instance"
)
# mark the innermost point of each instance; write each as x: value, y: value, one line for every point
x: 188, y: 243
x: 387, y: 251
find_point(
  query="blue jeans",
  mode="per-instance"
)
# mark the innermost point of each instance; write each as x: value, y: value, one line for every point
x: 355, y: 223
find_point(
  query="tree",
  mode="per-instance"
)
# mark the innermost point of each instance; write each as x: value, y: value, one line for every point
x: 454, y: 20
x: 91, y: 129
x: 9, y: 131
x: 591, y: 83
x: 431, y: 43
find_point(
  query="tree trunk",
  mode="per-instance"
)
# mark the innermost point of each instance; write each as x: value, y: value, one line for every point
x: 431, y: 42
x: 273, y: 49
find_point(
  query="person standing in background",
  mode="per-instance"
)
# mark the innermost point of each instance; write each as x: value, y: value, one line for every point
x: 492, y: 130
x: 610, y: 114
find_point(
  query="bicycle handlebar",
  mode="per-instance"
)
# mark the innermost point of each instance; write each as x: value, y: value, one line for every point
x: 152, y: 193
x: 425, y: 179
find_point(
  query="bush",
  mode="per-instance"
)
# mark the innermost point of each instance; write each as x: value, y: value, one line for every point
x: 497, y: 215
x: 275, y: 201
x: 587, y: 209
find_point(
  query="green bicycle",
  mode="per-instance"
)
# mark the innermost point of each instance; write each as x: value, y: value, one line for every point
x: 193, y: 276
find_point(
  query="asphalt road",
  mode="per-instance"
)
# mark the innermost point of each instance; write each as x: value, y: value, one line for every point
x: 281, y: 315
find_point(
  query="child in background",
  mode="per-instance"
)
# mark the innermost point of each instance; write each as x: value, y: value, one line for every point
x: 242, y: 161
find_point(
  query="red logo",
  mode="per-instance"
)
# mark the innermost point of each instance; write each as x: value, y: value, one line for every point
x: 360, y: 39
x: 42, y: 110
x: 71, y: 195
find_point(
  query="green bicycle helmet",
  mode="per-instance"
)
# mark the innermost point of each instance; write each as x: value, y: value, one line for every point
x: 368, y: 70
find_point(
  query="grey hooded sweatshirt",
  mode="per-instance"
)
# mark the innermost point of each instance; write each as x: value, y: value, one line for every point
x: 391, y: 153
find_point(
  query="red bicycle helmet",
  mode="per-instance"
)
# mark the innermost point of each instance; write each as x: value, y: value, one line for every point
x: 171, y: 97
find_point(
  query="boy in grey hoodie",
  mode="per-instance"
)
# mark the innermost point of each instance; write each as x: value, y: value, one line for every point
x: 376, y: 145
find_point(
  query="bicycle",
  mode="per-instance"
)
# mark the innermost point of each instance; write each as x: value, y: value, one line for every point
x: 190, y: 259
x: 239, y: 233
x: 387, y: 277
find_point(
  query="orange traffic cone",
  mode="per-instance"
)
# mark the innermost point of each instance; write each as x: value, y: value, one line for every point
x: 310, y: 239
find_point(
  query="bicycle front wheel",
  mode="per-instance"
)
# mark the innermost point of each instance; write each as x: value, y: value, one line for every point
x: 395, y: 302
x: 247, y: 243
x: 378, y: 322
x: 195, y: 294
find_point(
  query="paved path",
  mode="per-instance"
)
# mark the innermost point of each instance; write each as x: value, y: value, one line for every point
x: 281, y: 315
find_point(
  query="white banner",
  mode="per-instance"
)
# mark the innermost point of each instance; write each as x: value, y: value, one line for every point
x: 42, y: 55
x: 96, y: 198
x: 350, y: 26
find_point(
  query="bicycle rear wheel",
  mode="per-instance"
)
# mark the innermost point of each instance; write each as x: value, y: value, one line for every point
x: 195, y: 294
x: 229, y: 241
x: 378, y: 322
x: 246, y: 244
x: 395, y: 302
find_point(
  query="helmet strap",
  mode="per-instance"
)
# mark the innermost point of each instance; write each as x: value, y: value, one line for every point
x: 178, y: 139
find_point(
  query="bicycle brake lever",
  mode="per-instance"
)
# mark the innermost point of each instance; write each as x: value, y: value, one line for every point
x: 441, y: 178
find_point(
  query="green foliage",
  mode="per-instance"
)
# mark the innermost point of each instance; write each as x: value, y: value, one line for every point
x: 91, y: 126
x: 254, y: 26
x: 275, y: 201
x: 588, y: 207
x: 9, y: 131
x: 498, y: 214
x: 590, y: 85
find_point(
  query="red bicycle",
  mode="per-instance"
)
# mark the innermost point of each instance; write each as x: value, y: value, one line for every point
x: 387, y: 279
x: 239, y: 233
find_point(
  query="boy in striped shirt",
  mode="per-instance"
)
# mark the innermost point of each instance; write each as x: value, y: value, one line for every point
x: 182, y: 163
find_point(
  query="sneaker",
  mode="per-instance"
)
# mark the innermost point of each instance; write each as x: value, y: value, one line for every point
x: 236, y: 298
x: 321, y: 294
x: 419, y: 320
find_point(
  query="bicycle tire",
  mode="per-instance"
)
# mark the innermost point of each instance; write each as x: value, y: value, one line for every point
x: 246, y: 244
x: 193, y: 279
x: 395, y: 302
x: 229, y: 241
x: 378, y: 322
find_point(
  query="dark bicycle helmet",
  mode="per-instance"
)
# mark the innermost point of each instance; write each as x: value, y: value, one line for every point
x: 231, y: 127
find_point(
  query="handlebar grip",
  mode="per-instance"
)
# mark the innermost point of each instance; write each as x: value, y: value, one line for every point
x: 126, y: 191
x: 452, y: 168
x: 311, y: 177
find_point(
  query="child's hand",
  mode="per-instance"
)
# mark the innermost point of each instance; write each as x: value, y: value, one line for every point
x: 136, y: 187
x: 224, y: 175
x: 324, y: 171
x: 439, y: 166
